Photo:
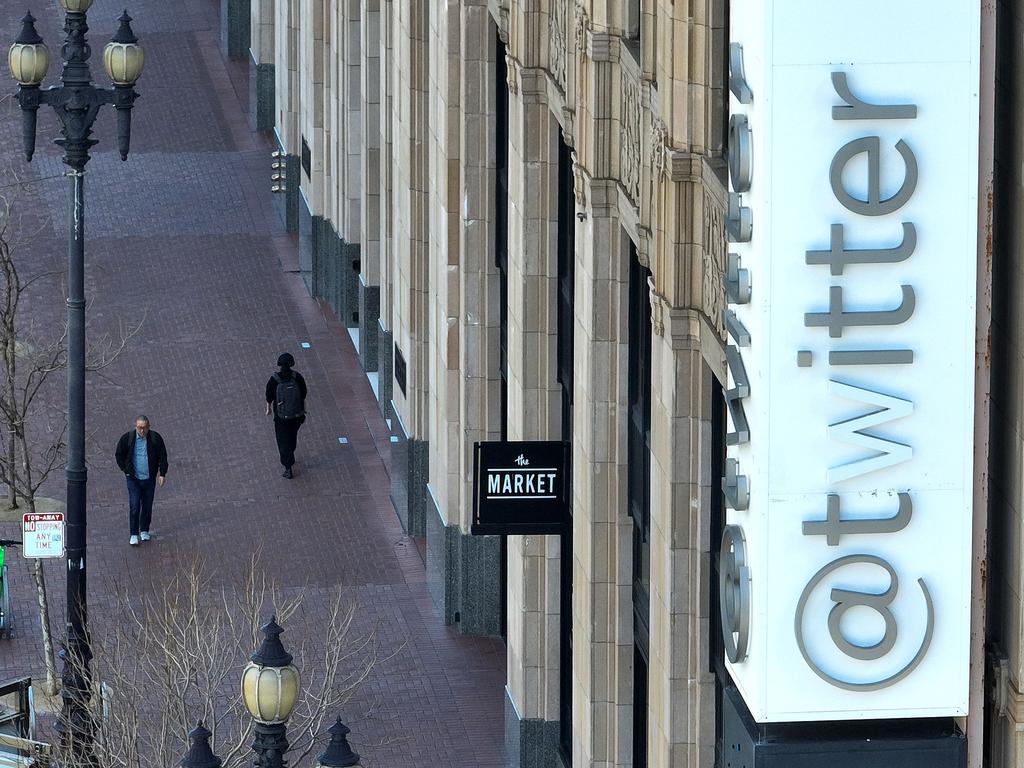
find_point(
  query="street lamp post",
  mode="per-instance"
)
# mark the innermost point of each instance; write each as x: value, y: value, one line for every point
x: 200, y: 753
x: 270, y: 689
x: 76, y: 102
x: 338, y: 753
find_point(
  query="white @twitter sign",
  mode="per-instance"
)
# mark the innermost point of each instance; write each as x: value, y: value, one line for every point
x: 851, y: 280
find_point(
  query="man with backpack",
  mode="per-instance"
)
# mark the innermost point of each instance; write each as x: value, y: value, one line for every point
x: 286, y: 394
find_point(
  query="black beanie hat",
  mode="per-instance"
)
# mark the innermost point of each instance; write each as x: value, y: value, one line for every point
x: 285, y: 360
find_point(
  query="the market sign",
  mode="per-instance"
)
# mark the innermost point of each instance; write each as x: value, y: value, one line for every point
x: 521, y: 488
x: 852, y: 278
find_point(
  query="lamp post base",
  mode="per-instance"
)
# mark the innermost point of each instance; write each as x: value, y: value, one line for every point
x: 270, y: 745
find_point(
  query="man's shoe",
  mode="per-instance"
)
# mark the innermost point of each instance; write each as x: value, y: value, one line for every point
x: 288, y: 473
x: 134, y: 540
x: 145, y: 536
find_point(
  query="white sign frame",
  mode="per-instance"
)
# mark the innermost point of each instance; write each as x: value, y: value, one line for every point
x: 34, y: 544
x: 850, y: 487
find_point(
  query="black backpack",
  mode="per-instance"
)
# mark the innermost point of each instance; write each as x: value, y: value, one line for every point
x: 288, y: 404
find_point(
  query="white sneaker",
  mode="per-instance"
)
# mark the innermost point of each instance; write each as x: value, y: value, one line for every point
x: 145, y: 536
x: 134, y: 540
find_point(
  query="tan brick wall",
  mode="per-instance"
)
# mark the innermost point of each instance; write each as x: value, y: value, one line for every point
x: 261, y: 31
x: 410, y: 223
x: 534, y: 399
x: 480, y: 317
x: 286, y: 74
x: 313, y: 96
x: 445, y: 308
x: 371, y: 140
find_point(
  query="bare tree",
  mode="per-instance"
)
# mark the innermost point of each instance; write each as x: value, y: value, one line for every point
x: 32, y: 349
x: 173, y: 654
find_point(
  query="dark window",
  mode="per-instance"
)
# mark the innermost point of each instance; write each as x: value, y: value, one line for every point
x: 501, y: 214
x: 639, y: 489
x: 639, y: 432
x: 639, y: 707
x: 716, y: 644
x: 566, y: 312
x: 633, y: 21
x: 501, y: 261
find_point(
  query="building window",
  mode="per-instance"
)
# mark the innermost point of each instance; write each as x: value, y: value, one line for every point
x: 633, y: 9
x: 640, y: 698
x: 501, y: 214
x: 566, y: 315
x: 639, y: 432
x: 639, y: 489
x: 501, y: 262
x: 715, y: 641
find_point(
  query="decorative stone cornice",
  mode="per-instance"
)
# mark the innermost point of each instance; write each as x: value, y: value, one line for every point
x: 533, y: 84
x: 603, y: 46
x: 512, y: 75
x: 630, y: 159
x: 659, y: 142
x: 558, y: 42
x: 580, y: 178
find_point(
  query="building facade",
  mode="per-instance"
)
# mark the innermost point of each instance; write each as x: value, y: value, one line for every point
x: 519, y: 209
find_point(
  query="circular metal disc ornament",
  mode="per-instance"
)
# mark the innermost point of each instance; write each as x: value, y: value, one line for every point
x: 734, y: 593
x: 740, y: 161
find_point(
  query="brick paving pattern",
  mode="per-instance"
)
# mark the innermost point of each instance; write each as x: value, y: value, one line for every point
x: 209, y: 268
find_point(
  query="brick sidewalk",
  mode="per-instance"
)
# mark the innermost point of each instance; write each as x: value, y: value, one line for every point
x: 208, y: 265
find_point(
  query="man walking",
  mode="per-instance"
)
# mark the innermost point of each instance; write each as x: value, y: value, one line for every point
x: 142, y: 457
x: 286, y: 394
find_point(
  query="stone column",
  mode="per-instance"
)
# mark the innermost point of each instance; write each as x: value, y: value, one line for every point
x: 464, y: 570
x: 534, y: 406
x: 385, y: 336
x: 348, y: 225
x: 371, y: 170
x: 410, y: 309
x: 261, y: 66
x: 602, y: 531
x: 235, y: 20
x: 445, y: 425
x: 287, y: 99
x: 683, y: 209
x: 312, y: 147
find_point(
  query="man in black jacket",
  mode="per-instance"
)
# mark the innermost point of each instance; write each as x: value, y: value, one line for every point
x: 142, y: 457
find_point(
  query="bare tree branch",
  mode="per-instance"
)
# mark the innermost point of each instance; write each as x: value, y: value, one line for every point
x: 173, y: 654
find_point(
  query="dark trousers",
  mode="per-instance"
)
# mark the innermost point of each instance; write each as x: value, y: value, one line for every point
x: 287, y: 433
x: 140, y: 504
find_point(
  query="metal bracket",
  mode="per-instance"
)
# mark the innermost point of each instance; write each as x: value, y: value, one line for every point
x: 736, y: 486
x: 739, y: 221
x: 737, y: 281
x: 737, y: 77
x: 736, y: 329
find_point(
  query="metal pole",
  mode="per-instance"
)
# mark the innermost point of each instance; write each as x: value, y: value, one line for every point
x: 77, y: 677
x: 78, y: 651
x: 76, y: 103
x: 270, y: 744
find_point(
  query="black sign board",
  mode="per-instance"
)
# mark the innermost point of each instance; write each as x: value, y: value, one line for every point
x: 521, y: 488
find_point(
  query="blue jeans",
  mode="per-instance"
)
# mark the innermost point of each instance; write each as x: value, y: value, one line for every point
x: 140, y: 504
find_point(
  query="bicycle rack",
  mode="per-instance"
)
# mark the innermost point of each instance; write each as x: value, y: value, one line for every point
x: 17, y: 726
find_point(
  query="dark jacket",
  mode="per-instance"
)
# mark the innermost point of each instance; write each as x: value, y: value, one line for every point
x: 157, y: 453
x: 272, y: 389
